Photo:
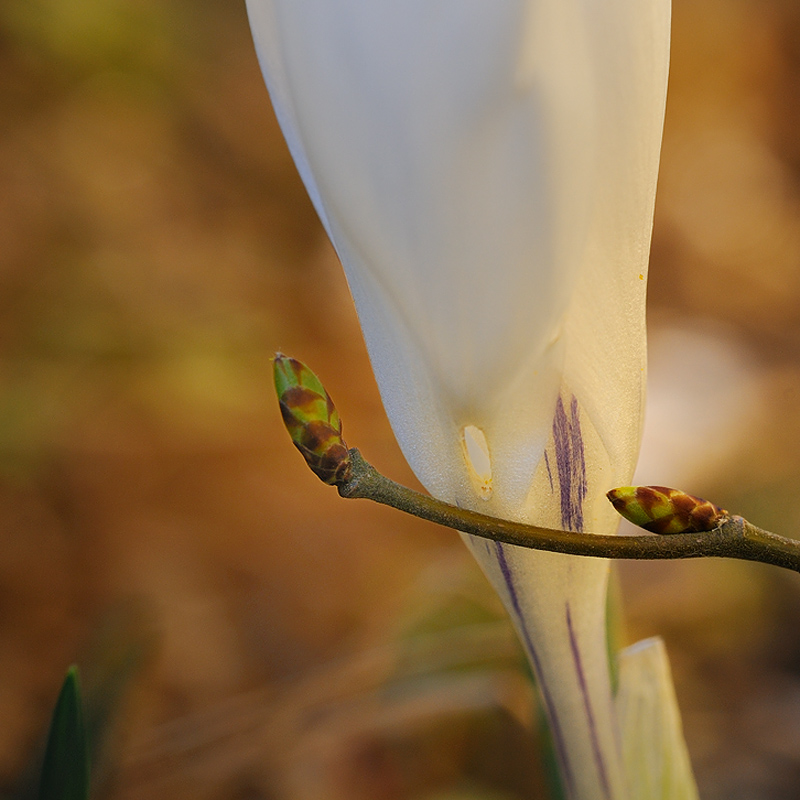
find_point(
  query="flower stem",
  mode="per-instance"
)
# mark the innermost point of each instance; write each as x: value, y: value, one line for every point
x: 734, y: 538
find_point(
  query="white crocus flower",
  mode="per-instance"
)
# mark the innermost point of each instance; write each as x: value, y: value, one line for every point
x: 486, y: 171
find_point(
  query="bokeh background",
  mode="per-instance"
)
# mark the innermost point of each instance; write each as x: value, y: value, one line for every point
x: 249, y: 634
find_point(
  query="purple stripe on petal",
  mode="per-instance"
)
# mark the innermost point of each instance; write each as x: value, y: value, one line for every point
x: 598, y: 755
x: 579, y: 456
x: 549, y: 471
x: 570, y: 463
x: 558, y: 736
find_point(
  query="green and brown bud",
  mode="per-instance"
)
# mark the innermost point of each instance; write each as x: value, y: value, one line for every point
x: 311, y: 419
x: 662, y: 510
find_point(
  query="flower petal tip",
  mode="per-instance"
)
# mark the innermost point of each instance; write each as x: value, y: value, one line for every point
x: 660, y: 509
x: 311, y: 419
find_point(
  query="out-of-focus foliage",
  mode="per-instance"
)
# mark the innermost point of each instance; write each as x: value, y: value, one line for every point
x: 156, y: 248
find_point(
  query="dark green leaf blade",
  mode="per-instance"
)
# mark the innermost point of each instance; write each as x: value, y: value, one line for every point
x: 65, y: 770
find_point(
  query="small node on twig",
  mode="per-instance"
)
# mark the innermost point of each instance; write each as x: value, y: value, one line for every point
x: 659, y: 509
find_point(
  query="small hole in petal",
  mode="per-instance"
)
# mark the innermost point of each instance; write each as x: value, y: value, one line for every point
x: 476, y: 453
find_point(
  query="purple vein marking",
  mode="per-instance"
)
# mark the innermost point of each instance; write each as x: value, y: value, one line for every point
x: 549, y: 471
x: 598, y: 756
x: 579, y: 456
x: 558, y: 735
x: 570, y: 463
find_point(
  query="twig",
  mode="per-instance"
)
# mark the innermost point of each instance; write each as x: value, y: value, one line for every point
x: 734, y: 538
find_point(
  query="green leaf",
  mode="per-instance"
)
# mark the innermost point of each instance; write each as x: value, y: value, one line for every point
x: 656, y: 760
x: 65, y: 771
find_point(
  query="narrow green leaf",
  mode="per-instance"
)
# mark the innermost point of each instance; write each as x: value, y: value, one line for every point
x: 65, y: 771
x: 656, y: 760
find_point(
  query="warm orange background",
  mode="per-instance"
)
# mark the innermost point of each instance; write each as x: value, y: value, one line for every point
x: 156, y: 247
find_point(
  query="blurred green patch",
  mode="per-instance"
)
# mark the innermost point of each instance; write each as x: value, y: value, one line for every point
x: 89, y: 34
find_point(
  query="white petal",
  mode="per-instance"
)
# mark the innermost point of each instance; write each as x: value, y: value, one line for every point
x: 486, y: 170
x: 605, y: 330
x: 451, y: 150
x: 557, y: 604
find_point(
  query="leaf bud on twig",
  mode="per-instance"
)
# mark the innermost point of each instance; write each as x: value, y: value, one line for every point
x: 311, y: 419
x: 660, y: 509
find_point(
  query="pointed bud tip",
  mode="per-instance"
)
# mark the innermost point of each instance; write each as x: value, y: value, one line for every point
x: 311, y: 419
x: 660, y: 509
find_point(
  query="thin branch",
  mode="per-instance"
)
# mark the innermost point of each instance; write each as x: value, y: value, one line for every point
x: 734, y: 538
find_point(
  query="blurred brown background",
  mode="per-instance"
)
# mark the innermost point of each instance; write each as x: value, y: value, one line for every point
x: 156, y: 248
